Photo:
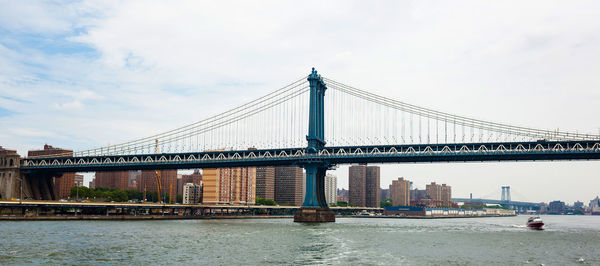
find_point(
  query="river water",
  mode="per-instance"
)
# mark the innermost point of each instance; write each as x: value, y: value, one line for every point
x: 505, y: 240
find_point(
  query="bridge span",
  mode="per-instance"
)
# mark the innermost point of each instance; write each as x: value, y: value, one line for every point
x: 298, y: 125
x: 519, y: 206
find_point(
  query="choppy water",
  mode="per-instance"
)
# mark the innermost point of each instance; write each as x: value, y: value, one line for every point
x: 567, y: 240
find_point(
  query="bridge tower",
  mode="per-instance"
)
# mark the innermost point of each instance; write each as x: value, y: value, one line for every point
x: 314, y: 208
x: 505, y: 194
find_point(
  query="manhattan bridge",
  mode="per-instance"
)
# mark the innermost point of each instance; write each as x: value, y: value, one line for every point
x: 318, y: 123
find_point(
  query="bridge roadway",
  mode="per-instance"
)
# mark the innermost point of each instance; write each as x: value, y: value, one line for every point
x: 118, y: 205
x: 409, y: 153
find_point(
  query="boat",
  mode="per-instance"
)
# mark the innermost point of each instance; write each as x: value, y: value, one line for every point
x: 535, y: 222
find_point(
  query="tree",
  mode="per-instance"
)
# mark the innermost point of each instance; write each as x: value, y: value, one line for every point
x: 117, y: 195
x: 342, y: 204
x: 386, y: 203
x: 268, y: 202
x: 133, y: 194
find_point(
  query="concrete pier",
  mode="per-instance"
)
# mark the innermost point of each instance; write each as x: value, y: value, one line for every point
x: 314, y: 215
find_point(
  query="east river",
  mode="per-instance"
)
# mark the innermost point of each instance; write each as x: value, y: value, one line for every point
x: 350, y: 241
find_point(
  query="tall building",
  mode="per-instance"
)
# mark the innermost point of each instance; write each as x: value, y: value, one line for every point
x: 446, y: 195
x: 234, y: 185
x: 434, y: 191
x: 357, y: 175
x: 63, y: 183
x: 78, y: 180
x: 400, y: 192
x: 265, y: 182
x: 192, y: 193
x: 372, y: 188
x: 330, y: 189
x: 168, y: 182
x: 112, y: 179
x: 289, y: 185
x: 364, y: 186
x: 92, y: 183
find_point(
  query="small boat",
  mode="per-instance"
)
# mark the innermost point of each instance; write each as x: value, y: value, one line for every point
x: 535, y: 223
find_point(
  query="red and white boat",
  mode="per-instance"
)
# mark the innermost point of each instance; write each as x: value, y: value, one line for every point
x: 535, y: 223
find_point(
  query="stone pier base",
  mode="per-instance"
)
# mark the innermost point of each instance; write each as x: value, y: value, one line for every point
x: 314, y: 215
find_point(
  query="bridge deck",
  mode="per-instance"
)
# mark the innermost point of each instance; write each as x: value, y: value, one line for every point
x: 58, y: 204
x: 411, y: 153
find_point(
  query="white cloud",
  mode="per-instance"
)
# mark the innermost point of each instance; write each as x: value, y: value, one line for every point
x: 152, y: 66
x: 74, y: 105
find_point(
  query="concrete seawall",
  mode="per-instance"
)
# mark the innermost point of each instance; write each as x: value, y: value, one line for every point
x: 429, y: 216
x: 132, y: 217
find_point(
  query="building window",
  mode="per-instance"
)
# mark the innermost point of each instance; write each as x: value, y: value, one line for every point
x: 11, y: 162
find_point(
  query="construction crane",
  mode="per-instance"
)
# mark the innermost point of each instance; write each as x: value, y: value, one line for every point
x: 158, y: 176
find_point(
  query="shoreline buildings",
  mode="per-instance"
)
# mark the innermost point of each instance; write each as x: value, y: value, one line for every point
x: 289, y: 185
x: 364, y: 190
x: 192, y: 193
x: 265, y: 182
x: 234, y: 185
x: 400, y: 192
x: 330, y: 189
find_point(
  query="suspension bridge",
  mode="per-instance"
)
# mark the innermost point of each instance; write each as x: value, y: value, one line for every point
x: 505, y: 200
x: 348, y: 126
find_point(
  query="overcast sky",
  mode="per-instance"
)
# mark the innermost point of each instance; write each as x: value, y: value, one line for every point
x: 81, y: 75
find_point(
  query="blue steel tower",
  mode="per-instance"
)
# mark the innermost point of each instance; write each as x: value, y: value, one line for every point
x: 314, y: 208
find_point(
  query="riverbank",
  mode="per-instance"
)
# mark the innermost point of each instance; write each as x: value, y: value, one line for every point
x: 206, y: 217
x: 135, y: 217
x: 428, y: 217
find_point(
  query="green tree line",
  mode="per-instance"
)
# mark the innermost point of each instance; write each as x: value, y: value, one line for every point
x: 117, y: 195
x: 267, y: 202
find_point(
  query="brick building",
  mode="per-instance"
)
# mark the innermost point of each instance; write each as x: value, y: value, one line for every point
x: 234, y: 185
x: 168, y: 182
x: 289, y: 185
x: 364, y: 187
x: 63, y: 183
x: 112, y: 179
x: 400, y: 192
x: 265, y: 182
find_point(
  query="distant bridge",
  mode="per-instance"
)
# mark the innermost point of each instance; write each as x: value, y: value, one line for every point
x: 516, y: 205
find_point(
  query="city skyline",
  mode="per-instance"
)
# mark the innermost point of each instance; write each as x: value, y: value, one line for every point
x: 60, y: 68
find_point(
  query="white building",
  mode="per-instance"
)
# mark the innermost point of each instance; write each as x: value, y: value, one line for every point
x: 330, y: 189
x: 595, y: 205
x: 192, y: 194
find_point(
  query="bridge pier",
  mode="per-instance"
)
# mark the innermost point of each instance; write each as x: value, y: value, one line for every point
x: 40, y: 185
x: 314, y: 209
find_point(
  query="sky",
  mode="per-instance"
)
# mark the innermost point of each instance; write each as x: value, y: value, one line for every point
x: 80, y: 75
